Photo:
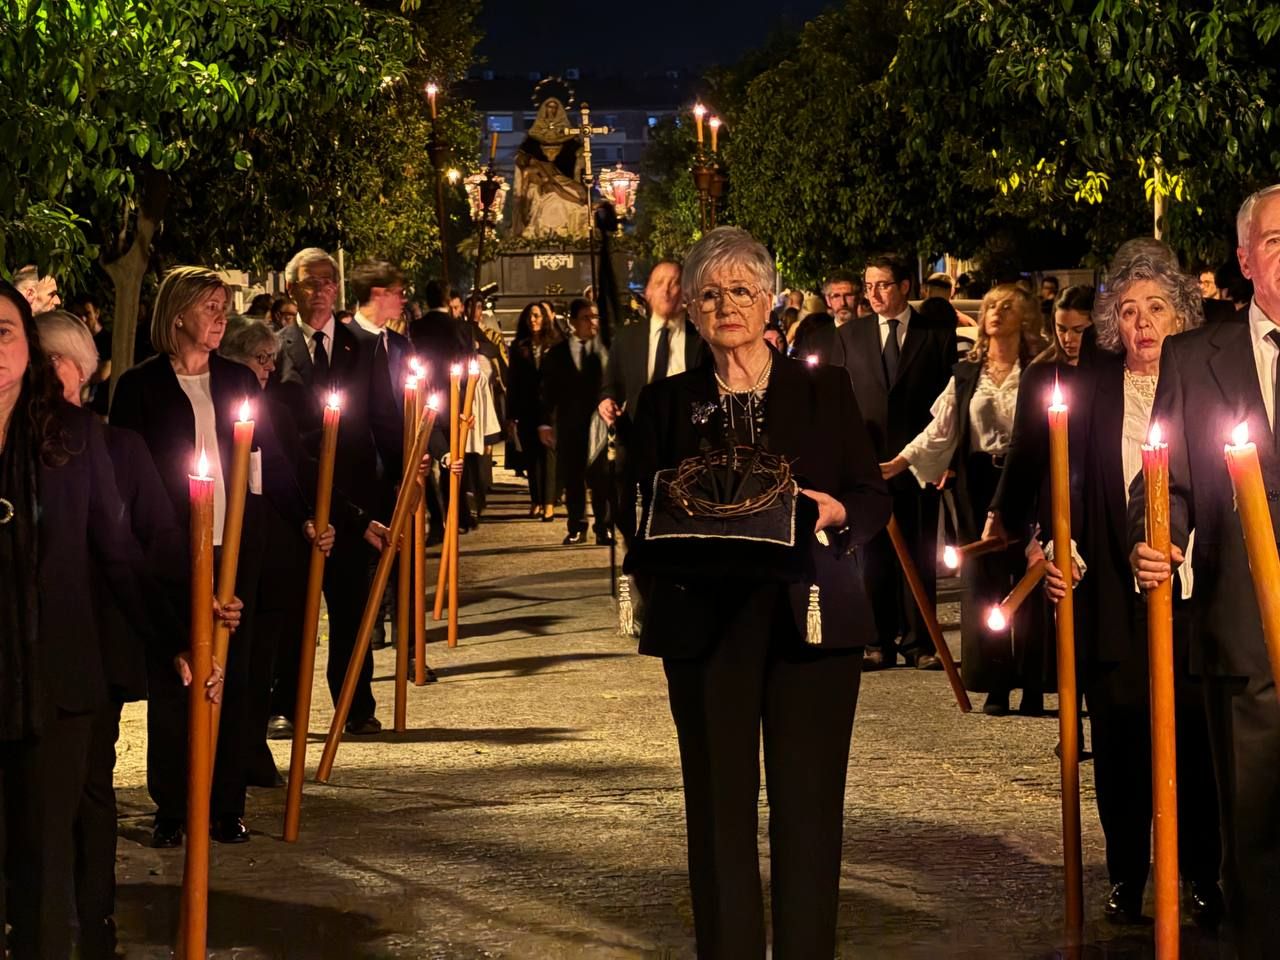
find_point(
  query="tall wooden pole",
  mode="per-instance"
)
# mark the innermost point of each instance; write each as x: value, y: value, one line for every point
x: 420, y: 568
x: 459, y: 456
x: 451, y: 515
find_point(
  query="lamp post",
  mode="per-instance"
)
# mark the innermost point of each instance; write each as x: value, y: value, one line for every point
x: 619, y: 187
x: 486, y: 195
x: 436, y: 148
x: 708, y: 173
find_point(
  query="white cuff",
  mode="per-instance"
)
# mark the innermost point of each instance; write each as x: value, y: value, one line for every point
x: 1075, y: 555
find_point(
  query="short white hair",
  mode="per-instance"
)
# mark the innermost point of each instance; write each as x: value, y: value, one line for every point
x: 66, y: 335
x: 305, y: 258
x: 725, y: 247
x: 1244, y: 219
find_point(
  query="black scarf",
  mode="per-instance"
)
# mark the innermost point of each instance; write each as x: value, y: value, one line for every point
x: 22, y: 688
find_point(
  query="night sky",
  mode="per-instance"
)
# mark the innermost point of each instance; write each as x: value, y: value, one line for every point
x: 536, y: 35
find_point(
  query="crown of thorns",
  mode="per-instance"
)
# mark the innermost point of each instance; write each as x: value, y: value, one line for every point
x: 729, y: 482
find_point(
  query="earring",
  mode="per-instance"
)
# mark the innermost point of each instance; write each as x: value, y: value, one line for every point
x: 179, y: 323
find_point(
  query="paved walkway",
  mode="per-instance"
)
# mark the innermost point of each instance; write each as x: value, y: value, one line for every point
x: 534, y: 808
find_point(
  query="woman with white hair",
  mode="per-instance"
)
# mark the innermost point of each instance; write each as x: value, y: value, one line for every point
x: 760, y: 483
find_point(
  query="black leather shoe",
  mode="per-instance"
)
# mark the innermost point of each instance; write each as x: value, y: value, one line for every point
x: 1205, y: 899
x: 229, y: 830
x: 166, y: 833
x: 604, y: 540
x: 875, y: 660
x: 364, y: 728
x: 573, y: 539
x: 997, y: 704
x: 279, y: 728
x: 930, y: 661
x: 1124, y: 904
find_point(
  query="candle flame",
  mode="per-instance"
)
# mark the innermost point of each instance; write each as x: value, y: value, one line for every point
x: 416, y: 366
x: 1156, y: 436
x: 950, y: 557
x: 455, y: 370
x: 432, y: 89
x: 411, y: 382
x: 699, y: 110
x: 202, y: 465
x: 473, y: 369
x: 1057, y: 394
x: 1240, y: 435
x: 997, y: 622
x: 335, y: 401
x: 245, y: 412
x: 714, y: 123
x: 433, y: 402
x: 453, y: 175
x: 811, y: 359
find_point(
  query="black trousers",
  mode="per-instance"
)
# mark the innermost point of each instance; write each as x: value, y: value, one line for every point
x: 803, y: 699
x: 282, y: 598
x: 346, y: 588
x: 1120, y: 724
x: 581, y: 479
x: 95, y: 838
x: 892, y: 604
x: 41, y: 781
x: 1244, y: 728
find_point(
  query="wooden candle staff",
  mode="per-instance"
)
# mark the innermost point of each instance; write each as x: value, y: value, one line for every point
x: 1001, y: 615
x: 953, y: 558
x: 404, y: 571
x: 232, y: 527
x: 420, y: 565
x: 1259, y: 538
x: 1068, y: 707
x: 457, y: 456
x: 928, y: 615
x: 405, y: 505
x: 311, y: 621
x: 451, y: 516
x: 195, y: 873
x: 1164, y: 752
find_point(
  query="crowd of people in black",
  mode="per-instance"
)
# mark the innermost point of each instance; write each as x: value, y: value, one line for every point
x: 876, y: 406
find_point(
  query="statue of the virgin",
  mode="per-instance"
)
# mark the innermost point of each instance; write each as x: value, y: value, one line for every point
x: 550, y: 197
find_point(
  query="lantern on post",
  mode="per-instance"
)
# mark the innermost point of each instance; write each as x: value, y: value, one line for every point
x: 619, y: 187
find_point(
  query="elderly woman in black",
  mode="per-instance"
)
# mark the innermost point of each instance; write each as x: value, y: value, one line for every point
x: 730, y: 614
x: 182, y: 401
x: 62, y: 530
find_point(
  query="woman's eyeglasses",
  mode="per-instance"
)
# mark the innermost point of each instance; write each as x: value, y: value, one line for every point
x: 741, y: 296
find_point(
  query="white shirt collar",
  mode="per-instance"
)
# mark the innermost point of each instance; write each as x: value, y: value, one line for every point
x: 657, y: 322
x: 368, y: 326
x: 902, y: 318
x: 1259, y: 323
x: 328, y: 330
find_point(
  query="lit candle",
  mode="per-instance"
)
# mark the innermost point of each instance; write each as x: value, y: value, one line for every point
x: 493, y: 147
x: 996, y: 620
x: 420, y: 543
x: 1068, y: 731
x: 453, y: 175
x: 432, y: 90
x: 451, y: 516
x: 714, y: 123
x: 232, y: 526
x: 311, y: 618
x: 999, y: 616
x: 699, y: 111
x: 811, y: 359
x: 950, y: 557
x: 195, y: 873
x: 1164, y: 763
x: 1259, y: 536
x: 459, y: 455
x: 404, y: 567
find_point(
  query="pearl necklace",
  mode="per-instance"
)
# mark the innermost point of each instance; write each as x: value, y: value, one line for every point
x: 756, y: 388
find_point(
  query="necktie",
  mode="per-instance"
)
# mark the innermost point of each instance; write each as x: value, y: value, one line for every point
x: 662, y: 359
x: 892, y: 352
x: 1274, y: 337
x: 319, y: 360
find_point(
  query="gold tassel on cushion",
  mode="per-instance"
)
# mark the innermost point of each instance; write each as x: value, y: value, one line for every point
x: 813, y: 619
x: 626, y: 610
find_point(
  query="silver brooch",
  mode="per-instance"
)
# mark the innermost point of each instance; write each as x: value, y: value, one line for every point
x: 703, y: 413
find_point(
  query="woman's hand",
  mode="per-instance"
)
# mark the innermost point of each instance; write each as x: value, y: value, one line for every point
x: 376, y: 535
x: 228, y: 614
x: 548, y: 437
x: 212, y: 686
x: 994, y: 529
x: 831, y: 512
x: 325, y: 543
x: 1054, y: 585
x: 894, y: 467
x: 942, y: 480
x: 1149, y: 566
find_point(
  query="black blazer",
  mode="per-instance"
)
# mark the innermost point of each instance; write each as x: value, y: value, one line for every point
x: 627, y: 370
x: 568, y: 395
x: 1208, y: 384
x: 440, y: 341
x: 812, y: 418
x: 896, y: 412
x: 149, y: 401
x: 816, y: 337
x: 85, y: 540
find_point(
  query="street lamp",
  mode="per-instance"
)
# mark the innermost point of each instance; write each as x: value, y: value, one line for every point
x: 619, y: 187
x: 708, y: 173
x: 487, y: 195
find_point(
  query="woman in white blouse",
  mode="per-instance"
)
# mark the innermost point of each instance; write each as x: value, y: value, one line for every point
x: 969, y: 437
x: 1146, y: 299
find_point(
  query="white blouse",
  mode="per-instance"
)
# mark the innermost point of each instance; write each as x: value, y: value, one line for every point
x: 1137, y: 423
x: 198, y: 392
x: 990, y: 426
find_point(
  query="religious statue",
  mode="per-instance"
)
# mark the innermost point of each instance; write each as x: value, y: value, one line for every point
x: 549, y: 193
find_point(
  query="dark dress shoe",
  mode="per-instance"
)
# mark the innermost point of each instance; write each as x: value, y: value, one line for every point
x: 279, y: 728
x: 166, y: 833
x: 604, y: 540
x: 875, y: 660
x: 1124, y: 904
x: 229, y: 830
x: 264, y: 777
x: 364, y: 728
x: 931, y: 661
x: 1032, y: 704
x: 997, y: 704
x: 575, y: 538
x: 1205, y: 900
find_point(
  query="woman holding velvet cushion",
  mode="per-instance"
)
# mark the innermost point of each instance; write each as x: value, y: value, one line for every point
x: 760, y: 484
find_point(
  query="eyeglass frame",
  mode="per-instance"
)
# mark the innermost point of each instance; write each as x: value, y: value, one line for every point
x: 714, y: 304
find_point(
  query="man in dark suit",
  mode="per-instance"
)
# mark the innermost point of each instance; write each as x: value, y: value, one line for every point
x: 571, y: 377
x: 899, y: 361
x: 817, y: 337
x: 640, y: 354
x: 324, y: 355
x: 1212, y: 379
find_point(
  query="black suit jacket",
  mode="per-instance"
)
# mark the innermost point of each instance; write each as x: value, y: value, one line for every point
x: 440, y: 341
x: 896, y: 412
x: 569, y: 396
x: 1208, y: 384
x: 627, y: 371
x: 812, y: 418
